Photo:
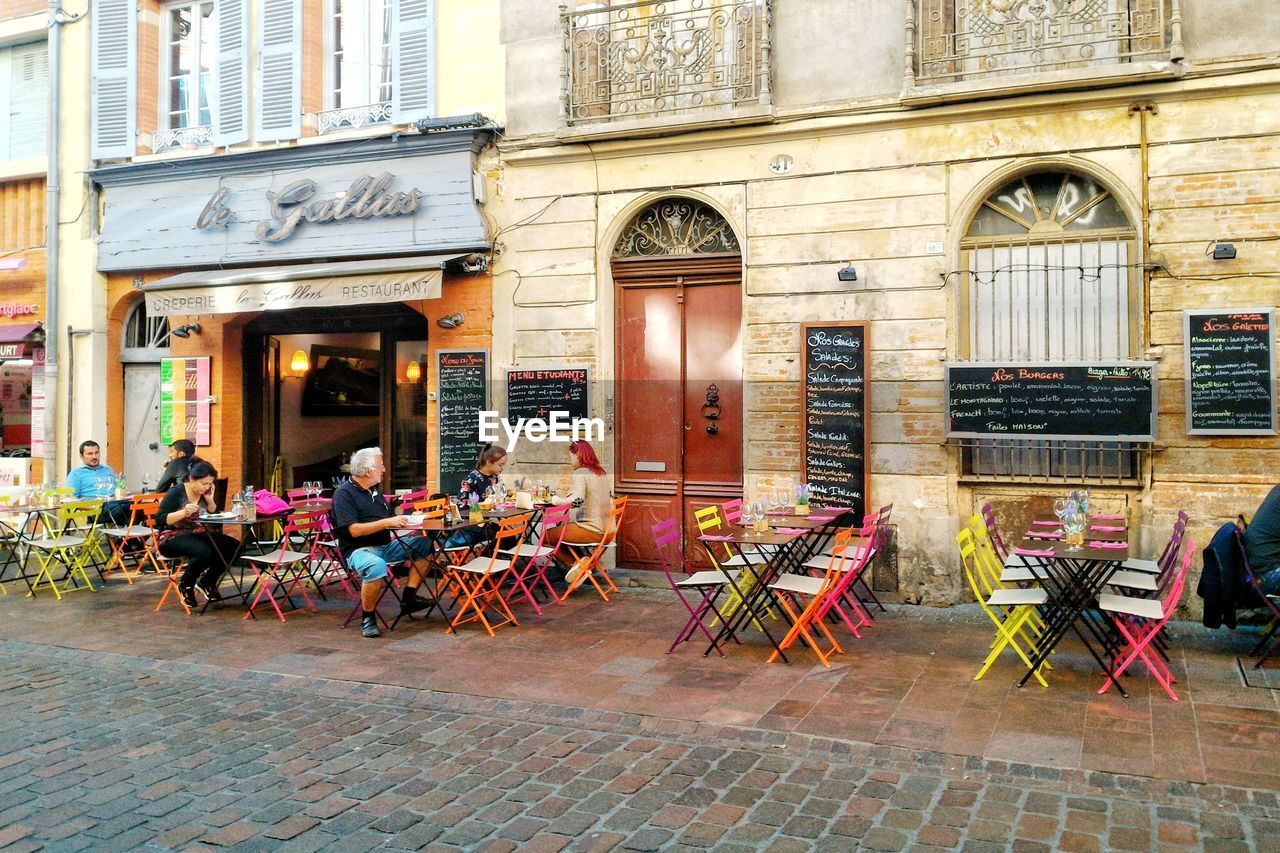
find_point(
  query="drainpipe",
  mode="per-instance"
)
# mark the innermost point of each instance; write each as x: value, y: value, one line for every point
x: 53, y: 197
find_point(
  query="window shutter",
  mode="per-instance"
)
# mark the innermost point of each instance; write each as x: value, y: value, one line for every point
x: 413, y: 43
x: 28, y: 100
x: 114, y: 55
x: 231, y: 121
x: 279, y: 70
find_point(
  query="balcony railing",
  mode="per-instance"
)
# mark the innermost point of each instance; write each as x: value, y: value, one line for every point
x: 189, y: 138
x: 353, y: 118
x: 958, y: 40
x: 640, y: 60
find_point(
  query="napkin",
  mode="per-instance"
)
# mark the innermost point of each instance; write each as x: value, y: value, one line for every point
x: 709, y: 537
x: 1110, y: 546
x: 1105, y: 529
x: 524, y: 500
x: 1100, y: 517
x: 1041, y: 534
x: 1031, y: 552
x: 1046, y: 524
x: 416, y: 518
x: 790, y: 531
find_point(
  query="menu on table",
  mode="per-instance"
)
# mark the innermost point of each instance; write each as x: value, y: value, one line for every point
x: 1230, y: 371
x: 462, y: 387
x: 836, y: 404
x: 1113, y: 401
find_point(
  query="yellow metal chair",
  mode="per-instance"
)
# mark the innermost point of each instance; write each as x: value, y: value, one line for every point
x: 68, y: 530
x: 725, y: 560
x: 1008, y: 609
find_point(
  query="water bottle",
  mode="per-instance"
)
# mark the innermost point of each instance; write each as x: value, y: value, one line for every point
x: 250, y: 506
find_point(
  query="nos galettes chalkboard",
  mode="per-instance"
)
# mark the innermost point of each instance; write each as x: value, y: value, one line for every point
x: 462, y: 386
x: 538, y: 393
x: 1230, y: 371
x: 836, y: 405
x: 1111, y: 401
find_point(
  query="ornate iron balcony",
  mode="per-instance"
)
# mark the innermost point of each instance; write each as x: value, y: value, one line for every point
x: 644, y: 59
x: 352, y: 118
x: 957, y: 40
x: 181, y: 137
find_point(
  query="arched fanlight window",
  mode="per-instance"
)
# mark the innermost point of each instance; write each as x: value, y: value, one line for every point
x: 676, y: 226
x: 1050, y: 272
x: 145, y: 338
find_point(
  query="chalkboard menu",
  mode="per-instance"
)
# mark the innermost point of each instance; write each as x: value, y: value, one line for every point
x: 462, y: 388
x: 537, y: 393
x: 1231, y: 371
x: 834, y: 367
x: 1112, y: 401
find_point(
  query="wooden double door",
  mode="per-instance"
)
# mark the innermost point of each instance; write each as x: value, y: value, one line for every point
x: 679, y: 394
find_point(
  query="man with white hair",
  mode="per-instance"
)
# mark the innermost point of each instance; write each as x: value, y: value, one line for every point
x: 363, y: 521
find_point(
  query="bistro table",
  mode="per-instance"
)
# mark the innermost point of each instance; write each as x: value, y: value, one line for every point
x: 1073, y: 578
x: 18, y: 538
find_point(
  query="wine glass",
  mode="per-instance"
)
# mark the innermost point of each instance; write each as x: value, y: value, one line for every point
x: 1060, y: 508
x: 748, y: 518
x: 761, y: 511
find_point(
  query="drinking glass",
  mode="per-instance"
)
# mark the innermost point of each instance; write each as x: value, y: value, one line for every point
x: 1060, y: 508
x: 761, y: 511
x: 748, y: 518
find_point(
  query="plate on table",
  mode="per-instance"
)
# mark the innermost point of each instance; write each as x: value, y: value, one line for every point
x: 416, y: 518
x: 218, y: 516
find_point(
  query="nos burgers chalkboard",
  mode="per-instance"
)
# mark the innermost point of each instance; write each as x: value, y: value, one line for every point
x: 836, y: 403
x: 1231, y: 371
x: 1112, y: 401
x: 537, y: 393
x: 462, y: 385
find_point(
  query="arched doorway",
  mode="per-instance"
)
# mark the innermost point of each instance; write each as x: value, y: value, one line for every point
x: 146, y: 341
x: 677, y: 267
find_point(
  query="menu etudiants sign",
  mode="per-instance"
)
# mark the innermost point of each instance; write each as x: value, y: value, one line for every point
x: 1230, y: 371
x: 836, y: 443
x: 462, y: 389
x: 537, y: 393
x: 1113, y: 401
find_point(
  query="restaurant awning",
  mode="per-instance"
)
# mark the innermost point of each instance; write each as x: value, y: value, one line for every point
x: 341, y: 283
x: 17, y: 341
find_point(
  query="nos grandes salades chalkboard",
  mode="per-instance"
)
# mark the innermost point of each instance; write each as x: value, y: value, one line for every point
x: 836, y: 439
x: 1113, y: 401
x: 1231, y: 371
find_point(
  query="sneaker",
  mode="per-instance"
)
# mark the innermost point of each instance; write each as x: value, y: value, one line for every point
x: 412, y: 604
x: 369, y: 626
x: 575, y: 574
x: 188, y: 596
x: 208, y: 591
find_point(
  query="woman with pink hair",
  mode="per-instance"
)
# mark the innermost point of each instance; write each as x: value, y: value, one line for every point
x: 590, y: 491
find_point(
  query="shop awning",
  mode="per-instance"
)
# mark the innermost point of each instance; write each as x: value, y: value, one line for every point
x: 342, y: 283
x: 15, y: 341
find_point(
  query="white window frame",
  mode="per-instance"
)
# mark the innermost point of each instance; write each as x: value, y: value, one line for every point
x: 8, y: 85
x: 166, y: 72
x: 330, y: 49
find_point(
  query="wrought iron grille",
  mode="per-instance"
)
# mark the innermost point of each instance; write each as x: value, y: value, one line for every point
x: 675, y: 226
x: 144, y: 332
x: 642, y: 59
x: 353, y: 118
x: 181, y: 137
x: 975, y: 39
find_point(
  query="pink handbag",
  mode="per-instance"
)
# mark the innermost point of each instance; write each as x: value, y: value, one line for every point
x: 268, y: 503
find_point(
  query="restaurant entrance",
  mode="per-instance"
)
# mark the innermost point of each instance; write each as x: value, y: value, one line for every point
x: 319, y: 385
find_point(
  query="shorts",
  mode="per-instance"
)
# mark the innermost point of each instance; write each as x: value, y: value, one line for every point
x: 370, y: 562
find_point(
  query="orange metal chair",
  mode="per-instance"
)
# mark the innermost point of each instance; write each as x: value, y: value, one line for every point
x: 129, y: 543
x: 480, y: 580
x: 588, y: 566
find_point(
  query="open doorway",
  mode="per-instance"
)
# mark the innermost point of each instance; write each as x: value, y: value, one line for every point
x: 318, y: 387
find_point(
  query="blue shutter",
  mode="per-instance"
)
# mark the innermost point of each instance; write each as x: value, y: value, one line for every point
x: 413, y: 50
x: 231, y: 118
x: 279, y: 70
x: 114, y: 57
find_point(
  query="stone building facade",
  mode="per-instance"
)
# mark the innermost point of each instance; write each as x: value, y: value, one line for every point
x: 1010, y: 180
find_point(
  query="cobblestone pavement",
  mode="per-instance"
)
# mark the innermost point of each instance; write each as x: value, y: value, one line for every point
x: 103, y: 751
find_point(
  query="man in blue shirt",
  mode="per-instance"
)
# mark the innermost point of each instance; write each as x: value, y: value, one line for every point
x: 93, y: 479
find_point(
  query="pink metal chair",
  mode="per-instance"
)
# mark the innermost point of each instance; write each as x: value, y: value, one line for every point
x: 1139, y: 621
x: 284, y: 570
x: 532, y: 559
x: 666, y: 535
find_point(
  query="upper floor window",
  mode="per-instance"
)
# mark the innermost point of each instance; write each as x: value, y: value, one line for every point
x: 360, y: 61
x: 190, y: 55
x: 976, y: 39
x: 24, y: 97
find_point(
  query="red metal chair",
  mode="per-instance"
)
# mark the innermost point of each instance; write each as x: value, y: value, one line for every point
x: 532, y: 559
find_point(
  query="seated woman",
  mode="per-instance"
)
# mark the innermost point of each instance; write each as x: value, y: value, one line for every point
x: 476, y: 486
x: 208, y: 553
x: 589, y: 489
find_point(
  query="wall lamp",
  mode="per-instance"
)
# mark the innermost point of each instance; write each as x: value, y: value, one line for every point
x: 847, y: 274
x: 299, y: 364
x: 451, y: 321
x: 186, y: 330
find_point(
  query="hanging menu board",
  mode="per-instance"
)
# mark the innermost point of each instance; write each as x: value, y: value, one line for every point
x: 1110, y: 401
x: 537, y: 393
x: 1231, y: 371
x: 461, y: 382
x: 836, y: 439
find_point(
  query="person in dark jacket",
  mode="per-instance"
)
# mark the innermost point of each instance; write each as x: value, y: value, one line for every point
x: 1262, y: 543
x: 1222, y: 578
x: 180, y: 455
